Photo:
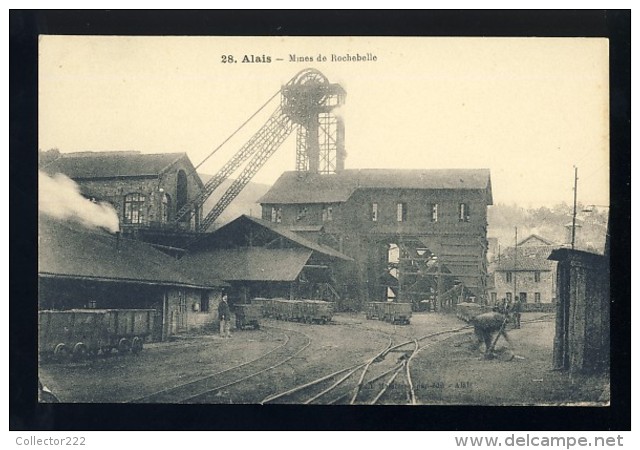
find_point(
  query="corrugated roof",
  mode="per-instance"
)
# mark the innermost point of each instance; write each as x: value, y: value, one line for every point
x: 248, y: 263
x: 69, y: 250
x: 91, y: 165
x: 306, y: 187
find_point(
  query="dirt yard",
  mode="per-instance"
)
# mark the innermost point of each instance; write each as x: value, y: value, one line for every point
x: 451, y: 372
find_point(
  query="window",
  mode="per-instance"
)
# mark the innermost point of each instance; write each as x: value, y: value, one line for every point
x: 463, y: 212
x: 134, y: 208
x: 523, y: 297
x: 536, y: 276
x: 302, y: 213
x: 494, y: 298
x: 166, y: 205
x: 276, y: 214
x: 92, y: 304
x: 537, y: 298
x: 374, y: 212
x: 327, y: 213
x: 204, y: 301
x: 401, y: 212
x: 434, y: 212
x: 509, y: 296
x: 509, y: 276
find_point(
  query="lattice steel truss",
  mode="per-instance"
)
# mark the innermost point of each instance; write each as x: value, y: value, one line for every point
x: 308, y: 102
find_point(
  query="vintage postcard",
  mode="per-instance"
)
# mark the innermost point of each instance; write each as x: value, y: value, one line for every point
x: 323, y: 220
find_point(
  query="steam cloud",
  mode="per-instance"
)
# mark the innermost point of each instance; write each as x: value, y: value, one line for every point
x: 59, y: 196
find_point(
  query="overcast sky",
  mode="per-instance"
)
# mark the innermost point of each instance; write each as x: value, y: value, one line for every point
x: 528, y: 109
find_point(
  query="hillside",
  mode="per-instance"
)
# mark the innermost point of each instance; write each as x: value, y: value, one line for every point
x: 244, y: 203
x: 550, y: 223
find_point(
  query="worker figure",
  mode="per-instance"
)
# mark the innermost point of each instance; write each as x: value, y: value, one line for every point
x: 224, y: 314
x: 516, y: 310
x: 488, y: 327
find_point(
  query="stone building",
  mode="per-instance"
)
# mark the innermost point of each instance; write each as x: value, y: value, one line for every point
x: 403, y: 224
x: 146, y: 190
x: 530, y: 275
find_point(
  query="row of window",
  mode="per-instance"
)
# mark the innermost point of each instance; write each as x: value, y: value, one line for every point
x: 509, y: 276
x: 327, y: 214
x: 522, y: 296
x: 134, y: 208
x: 402, y: 212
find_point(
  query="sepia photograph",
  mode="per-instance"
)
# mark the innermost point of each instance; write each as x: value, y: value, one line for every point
x: 323, y: 220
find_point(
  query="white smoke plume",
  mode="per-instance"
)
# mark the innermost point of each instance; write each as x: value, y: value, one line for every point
x: 59, y: 196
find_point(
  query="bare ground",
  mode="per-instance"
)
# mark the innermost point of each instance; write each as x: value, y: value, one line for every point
x: 452, y: 372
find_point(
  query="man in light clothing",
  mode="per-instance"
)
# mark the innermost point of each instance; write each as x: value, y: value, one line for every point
x: 224, y: 314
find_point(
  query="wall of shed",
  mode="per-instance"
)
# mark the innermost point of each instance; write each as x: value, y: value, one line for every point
x: 175, y: 312
x: 582, y: 317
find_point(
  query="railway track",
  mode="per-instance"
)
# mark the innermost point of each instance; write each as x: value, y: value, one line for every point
x: 357, y: 384
x: 361, y: 384
x: 203, y: 389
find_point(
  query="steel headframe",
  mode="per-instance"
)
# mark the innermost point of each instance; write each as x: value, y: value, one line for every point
x: 310, y: 102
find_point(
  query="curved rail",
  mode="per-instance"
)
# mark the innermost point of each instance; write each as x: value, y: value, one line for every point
x: 160, y: 393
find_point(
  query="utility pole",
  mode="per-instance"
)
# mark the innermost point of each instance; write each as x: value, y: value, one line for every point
x: 575, y: 202
x: 515, y: 267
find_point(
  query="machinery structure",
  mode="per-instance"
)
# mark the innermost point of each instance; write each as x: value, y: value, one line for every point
x: 308, y: 104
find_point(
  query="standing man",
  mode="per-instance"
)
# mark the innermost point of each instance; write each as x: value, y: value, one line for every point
x: 517, y: 308
x: 224, y: 314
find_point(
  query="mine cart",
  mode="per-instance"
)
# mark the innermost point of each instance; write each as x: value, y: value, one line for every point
x: 398, y: 312
x: 82, y: 332
x: 248, y: 316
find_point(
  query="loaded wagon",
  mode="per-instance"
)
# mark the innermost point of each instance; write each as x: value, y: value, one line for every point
x: 309, y: 311
x: 248, y: 315
x: 82, y: 332
x: 394, y: 312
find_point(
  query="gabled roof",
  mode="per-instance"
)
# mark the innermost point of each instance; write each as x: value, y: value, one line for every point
x: 236, y: 234
x: 305, y: 187
x: 535, y: 239
x: 96, y: 165
x: 529, y: 259
x: 69, y: 250
x: 248, y: 263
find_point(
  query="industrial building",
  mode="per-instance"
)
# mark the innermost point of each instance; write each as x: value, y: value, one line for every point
x: 146, y: 190
x: 261, y: 259
x: 80, y: 267
x: 414, y: 234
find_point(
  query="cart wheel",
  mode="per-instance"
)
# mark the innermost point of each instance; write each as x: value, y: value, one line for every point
x: 79, y: 351
x: 123, y: 345
x: 61, y: 352
x: 136, y: 345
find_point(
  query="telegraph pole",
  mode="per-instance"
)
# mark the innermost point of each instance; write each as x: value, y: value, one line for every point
x: 575, y: 202
x: 515, y: 267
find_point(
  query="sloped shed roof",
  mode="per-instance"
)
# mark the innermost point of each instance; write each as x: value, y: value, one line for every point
x: 236, y: 234
x: 69, y: 250
x: 248, y: 263
x: 296, y: 187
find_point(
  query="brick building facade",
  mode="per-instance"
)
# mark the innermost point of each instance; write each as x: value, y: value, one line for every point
x: 426, y: 215
x: 146, y: 190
